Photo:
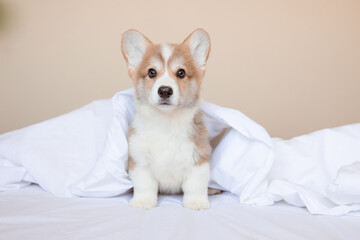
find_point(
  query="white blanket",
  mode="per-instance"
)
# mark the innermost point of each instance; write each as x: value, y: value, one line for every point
x: 84, y: 153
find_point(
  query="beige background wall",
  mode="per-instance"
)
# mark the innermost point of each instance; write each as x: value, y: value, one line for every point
x: 292, y: 66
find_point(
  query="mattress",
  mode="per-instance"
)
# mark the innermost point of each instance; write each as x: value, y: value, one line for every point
x: 32, y: 213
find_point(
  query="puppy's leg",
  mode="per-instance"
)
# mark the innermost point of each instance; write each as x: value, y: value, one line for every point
x: 195, y: 187
x: 145, y: 188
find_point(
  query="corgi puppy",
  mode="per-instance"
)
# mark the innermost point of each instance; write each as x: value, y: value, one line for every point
x: 169, y: 149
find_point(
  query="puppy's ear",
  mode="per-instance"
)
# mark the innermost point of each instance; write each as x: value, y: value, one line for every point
x: 133, y: 47
x: 199, y: 44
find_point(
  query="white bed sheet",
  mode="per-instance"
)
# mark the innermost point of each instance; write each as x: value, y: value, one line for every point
x: 32, y: 213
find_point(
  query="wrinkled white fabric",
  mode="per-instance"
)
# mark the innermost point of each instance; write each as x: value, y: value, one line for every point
x: 320, y: 170
x: 84, y: 153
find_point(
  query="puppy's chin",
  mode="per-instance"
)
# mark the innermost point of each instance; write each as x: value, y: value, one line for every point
x: 165, y: 107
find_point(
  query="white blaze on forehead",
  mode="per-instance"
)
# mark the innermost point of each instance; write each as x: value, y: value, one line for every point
x: 166, y: 52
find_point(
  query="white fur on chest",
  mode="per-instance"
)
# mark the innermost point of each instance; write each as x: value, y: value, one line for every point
x: 162, y: 143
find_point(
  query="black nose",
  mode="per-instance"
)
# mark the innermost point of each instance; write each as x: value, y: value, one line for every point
x: 165, y: 92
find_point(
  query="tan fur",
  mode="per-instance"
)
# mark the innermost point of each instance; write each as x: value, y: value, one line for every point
x: 213, y: 191
x: 200, y: 139
x: 152, y: 52
x: 131, y: 164
x: 192, y: 70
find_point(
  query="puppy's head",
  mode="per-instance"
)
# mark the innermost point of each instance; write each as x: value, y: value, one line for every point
x: 166, y: 76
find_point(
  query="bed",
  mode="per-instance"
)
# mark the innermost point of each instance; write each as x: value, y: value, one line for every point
x: 66, y: 178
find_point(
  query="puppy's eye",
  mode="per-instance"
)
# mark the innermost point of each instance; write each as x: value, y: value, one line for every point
x: 152, y: 73
x: 180, y: 73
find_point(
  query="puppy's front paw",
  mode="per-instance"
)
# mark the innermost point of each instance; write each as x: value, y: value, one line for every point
x: 146, y: 202
x: 196, y: 202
